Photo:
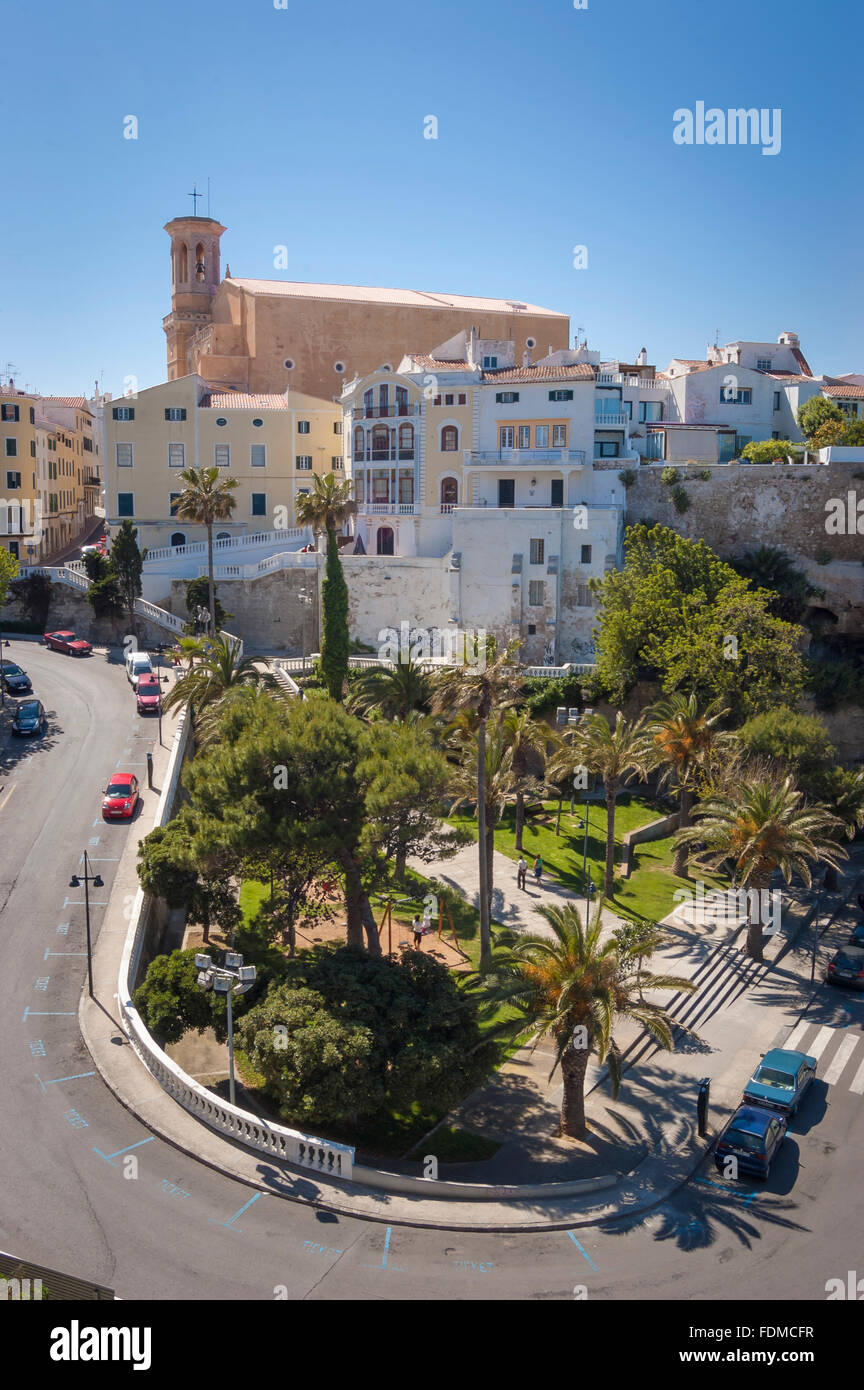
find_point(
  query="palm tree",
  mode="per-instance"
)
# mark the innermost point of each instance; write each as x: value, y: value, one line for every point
x: 572, y: 989
x: 219, y: 670
x: 846, y: 797
x: 616, y: 755
x: 205, y: 499
x: 760, y: 828
x: 684, y: 739
x: 325, y: 509
x: 481, y: 688
x: 392, y: 691
x: 527, y: 738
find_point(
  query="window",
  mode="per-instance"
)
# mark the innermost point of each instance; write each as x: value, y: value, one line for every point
x: 360, y: 488
x: 448, y: 398
x: 288, y: 364
x: 125, y: 504
x: 11, y: 448
x: 221, y: 421
x: 776, y: 400
x: 339, y: 368
x: 406, y: 441
x: 449, y: 492
x: 259, y: 504
x: 536, y: 593
x: 406, y: 487
x: 173, y: 500
x: 741, y: 442
x: 13, y: 480
x: 541, y: 436
x: 606, y: 449
x: 358, y: 445
x: 437, y: 400
x: 490, y: 363
x: 650, y: 410
x: 538, y: 551
x: 763, y: 364
x: 123, y: 455
x: 14, y: 549
x: 175, y: 412
x: 449, y: 439
x: 222, y: 455
x: 123, y: 412
x: 743, y: 396
x: 10, y: 413
x: 257, y: 422
x: 32, y: 415
x: 33, y: 448
x: 775, y: 434
x: 463, y: 398
x: 559, y: 436
x: 560, y: 395
x: 585, y: 556
x: 223, y: 535
x: 176, y: 455
x: 336, y: 462
x: 302, y: 426
x: 506, y: 397
x: 177, y: 538
x: 258, y: 455
x: 532, y: 628
x: 505, y: 437
x: 524, y: 436
x: 304, y: 461
x: 337, y: 426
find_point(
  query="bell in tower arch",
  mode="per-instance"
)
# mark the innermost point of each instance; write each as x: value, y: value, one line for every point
x: 199, y: 262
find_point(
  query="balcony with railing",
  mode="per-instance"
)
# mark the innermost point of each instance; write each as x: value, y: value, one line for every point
x: 617, y: 419
x: 384, y: 456
x: 388, y: 509
x: 526, y: 456
x: 401, y: 410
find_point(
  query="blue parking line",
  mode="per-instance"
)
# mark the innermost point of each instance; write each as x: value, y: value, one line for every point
x: 79, y: 1077
x: 583, y: 1251
x: 47, y: 1013
x: 108, y: 1157
x: 736, y: 1192
x: 396, y: 1269
x: 230, y: 1222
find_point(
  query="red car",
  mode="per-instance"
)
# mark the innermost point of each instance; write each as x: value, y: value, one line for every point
x: 121, y: 797
x: 67, y: 642
x: 148, y: 694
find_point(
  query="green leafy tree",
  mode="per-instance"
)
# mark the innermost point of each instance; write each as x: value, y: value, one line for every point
x: 480, y: 689
x: 762, y: 828
x: 814, y: 414
x: 207, y: 498
x: 170, y: 866
x: 8, y: 571
x: 125, y: 563
x: 572, y: 989
x: 171, y: 1004
x: 344, y: 1038
x: 767, y: 450
x: 843, y: 792
x: 325, y: 509
x: 800, y: 742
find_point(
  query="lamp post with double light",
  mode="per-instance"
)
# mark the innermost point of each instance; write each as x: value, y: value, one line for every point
x: 233, y: 977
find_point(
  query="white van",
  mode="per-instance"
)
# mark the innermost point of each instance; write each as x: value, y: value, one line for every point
x: 137, y: 664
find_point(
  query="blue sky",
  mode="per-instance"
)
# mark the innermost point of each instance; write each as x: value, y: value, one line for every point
x: 554, y: 130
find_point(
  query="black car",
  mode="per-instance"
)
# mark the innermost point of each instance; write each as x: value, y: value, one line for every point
x: 29, y: 718
x: 750, y: 1141
x: 857, y: 935
x: 15, y: 681
x: 847, y: 967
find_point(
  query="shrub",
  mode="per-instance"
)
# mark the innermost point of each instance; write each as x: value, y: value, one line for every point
x: 704, y: 475
x: 669, y: 476
x: 547, y: 692
x: 680, y: 498
x: 824, y: 557
x: 627, y: 476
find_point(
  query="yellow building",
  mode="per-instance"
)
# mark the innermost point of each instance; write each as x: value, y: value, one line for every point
x: 50, y: 481
x: 271, y: 444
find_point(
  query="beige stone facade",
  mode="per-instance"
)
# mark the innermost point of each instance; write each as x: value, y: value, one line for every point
x: 51, y: 479
x: 264, y: 335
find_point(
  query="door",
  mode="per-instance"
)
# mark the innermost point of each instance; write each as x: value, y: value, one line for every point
x: 385, y: 540
x: 557, y: 492
x: 506, y: 492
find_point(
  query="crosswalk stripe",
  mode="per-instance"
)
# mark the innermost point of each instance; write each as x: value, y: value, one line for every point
x: 839, y: 1060
x: 795, y: 1038
x: 857, y: 1083
x: 820, y: 1042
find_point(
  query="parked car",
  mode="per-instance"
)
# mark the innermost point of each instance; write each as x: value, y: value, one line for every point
x: 148, y: 694
x: 15, y: 681
x: 137, y: 664
x: 856, y: 937
x: 780, y: 1080
x: 29, y: 718
x: 67, y: 642
x: 752, y: 1137
x: 846, y: 967
x: 121, y: 797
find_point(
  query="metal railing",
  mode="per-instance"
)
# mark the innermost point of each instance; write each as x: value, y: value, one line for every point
x: 525, y: 456
x: 384, y: 412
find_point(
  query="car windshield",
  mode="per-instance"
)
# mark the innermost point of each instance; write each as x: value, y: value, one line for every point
x: 68, y: 637
x: 848, y: 962
x: 741, y: 1139
x: 768, y: 1076
x: 119, y: 789
x: 10, y: 669
x: 28, y: 710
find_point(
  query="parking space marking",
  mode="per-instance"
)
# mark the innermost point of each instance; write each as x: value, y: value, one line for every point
x: 57, y: 1079
x: 110, y: 1157
x: 49, y: 952
x: 47, y: 1013
x: 583, y: 1251
x: 229, y: 1224
x: 733, y: 1190
x: 839, y: 1060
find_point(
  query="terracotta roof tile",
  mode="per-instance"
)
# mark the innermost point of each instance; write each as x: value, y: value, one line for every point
x: 241, y: 400
x: 423, y: 360
x: 579, y: 371
x: 79, y: 402
x: 845, y: 390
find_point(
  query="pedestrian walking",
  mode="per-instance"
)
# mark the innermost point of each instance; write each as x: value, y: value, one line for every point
x: 521, y: 871
x: 417, y: 928
x: 538, y: 870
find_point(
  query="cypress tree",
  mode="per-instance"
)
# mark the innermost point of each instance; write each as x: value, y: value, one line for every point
x: 334, y: 640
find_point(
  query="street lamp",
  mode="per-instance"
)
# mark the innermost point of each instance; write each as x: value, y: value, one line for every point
x: 306, y: 600
x: 75, y: 882
x: 229, y: 979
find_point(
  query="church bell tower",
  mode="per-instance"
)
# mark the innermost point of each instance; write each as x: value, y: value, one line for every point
x: 195, y: 278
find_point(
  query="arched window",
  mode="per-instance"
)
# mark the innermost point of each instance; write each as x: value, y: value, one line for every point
x: 449, y: 492
x: 449, y: 439
x: 358, y: 445
x: 384, y: 398
x: 406, y: 441
x: 380, y: 443
x: 199, y: 261
x: 384, y: 540
x: 223, y: 535
x: 178, y: 538
x: 368, y: 403
x: 182, y: 263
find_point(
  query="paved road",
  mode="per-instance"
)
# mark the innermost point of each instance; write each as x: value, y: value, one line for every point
x: 182, y: 1231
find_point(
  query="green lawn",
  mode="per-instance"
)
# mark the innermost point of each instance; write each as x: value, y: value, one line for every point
x: 650, y: 889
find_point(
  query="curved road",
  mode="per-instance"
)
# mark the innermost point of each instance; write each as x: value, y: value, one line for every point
x: 179, y: 1230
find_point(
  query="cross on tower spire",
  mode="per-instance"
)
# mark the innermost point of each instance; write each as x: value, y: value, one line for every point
x: 195, y: 195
